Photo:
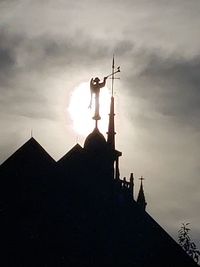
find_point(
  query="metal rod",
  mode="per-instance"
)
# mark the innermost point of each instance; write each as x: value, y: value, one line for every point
x: 113, y: 73
x: 113, y: 70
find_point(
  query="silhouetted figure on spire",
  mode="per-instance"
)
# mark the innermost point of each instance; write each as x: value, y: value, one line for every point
x: 95, y: 87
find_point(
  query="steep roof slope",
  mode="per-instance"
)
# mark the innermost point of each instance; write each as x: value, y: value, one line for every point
x: 73, y: 153
x: 144, y: 241
x: 31, y: 153
x: 24, y: 174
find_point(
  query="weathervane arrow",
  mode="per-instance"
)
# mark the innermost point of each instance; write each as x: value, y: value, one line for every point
x: 118, y: 70
x: 113, y: 73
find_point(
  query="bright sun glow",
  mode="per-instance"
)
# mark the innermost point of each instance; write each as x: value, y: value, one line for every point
x: 81, y: 115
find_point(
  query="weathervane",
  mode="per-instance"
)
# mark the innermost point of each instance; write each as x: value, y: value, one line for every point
x: 113, y: 74
x: 95, y: 87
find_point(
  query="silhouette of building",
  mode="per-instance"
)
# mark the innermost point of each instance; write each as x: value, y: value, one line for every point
x: 78, y: 211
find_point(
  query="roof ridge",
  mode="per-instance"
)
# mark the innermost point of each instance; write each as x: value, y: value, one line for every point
x: 30, y: 142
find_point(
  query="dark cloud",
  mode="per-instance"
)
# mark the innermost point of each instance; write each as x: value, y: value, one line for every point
x: 28, y: 64
x: 170, y: 85
x: 6, y: 59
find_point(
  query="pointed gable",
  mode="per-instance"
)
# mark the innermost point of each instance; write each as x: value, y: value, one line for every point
x: 28, y: 155
x: 24, y: 175
x: 73, y: 153
x: 71, y: 165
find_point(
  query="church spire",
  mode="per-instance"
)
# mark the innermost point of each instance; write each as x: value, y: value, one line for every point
x: 111, y: 126
x: 141, y: 198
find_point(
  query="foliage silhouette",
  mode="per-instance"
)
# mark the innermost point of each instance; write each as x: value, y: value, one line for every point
x: 186, y: 243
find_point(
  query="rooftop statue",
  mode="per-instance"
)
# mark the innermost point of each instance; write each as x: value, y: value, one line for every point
x: 95, y: 87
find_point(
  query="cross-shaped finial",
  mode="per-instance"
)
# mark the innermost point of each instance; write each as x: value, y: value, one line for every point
x: 141, y: 178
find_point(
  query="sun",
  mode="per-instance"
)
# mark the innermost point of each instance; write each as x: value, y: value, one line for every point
x: 80, y: 112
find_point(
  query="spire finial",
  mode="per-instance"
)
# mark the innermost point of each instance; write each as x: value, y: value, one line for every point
x: 141, y: 178
x: 113, y: 70
x: 141, y: 198
x: 113, y: 74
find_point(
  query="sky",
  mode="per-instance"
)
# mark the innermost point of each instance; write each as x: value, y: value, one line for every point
x: 49, y: 48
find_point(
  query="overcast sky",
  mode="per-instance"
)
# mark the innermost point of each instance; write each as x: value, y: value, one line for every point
x: 47, y: 48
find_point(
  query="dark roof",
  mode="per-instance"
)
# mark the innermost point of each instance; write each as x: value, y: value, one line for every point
x: 76, y: 150
x: 29, y: 153
x: 152, y: 243
x: 25, y: 176
x: 72, y: 222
